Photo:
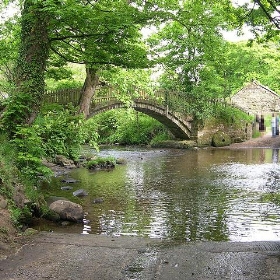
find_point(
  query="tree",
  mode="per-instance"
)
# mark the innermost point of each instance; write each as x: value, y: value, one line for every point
x: 263, y: 16
x: 103, y: 34
x: 188, y: 46
x: 25, y: 103
x: 97, y: 34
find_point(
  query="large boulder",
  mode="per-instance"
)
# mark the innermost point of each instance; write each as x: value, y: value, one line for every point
x: 63, y: 161
x: 68, y: 210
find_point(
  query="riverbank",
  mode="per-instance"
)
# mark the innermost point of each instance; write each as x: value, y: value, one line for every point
x: 265, y: 141
x: 76, y: 240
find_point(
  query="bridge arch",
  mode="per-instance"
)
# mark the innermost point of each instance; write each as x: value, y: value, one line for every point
x: 166, y: 107
x: 180, y: 127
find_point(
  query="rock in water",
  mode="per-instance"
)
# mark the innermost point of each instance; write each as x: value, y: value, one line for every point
x: 69, y: 181
x: 98, y: 200
x: 68, y: 210
x: 66, y: 188
x: 80, y: 193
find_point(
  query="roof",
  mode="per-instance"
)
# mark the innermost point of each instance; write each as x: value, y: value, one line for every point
x: 256, y: 98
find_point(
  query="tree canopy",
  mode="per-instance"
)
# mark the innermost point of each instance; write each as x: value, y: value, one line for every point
x: 104, y: 34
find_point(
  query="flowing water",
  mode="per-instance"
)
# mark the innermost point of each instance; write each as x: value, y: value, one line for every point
x: 205, y: 194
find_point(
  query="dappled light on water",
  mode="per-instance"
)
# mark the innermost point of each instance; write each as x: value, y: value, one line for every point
x: 208, y: 194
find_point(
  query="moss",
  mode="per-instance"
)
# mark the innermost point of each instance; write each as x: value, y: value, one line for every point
x: 221, y: 139
x: 101, y: 163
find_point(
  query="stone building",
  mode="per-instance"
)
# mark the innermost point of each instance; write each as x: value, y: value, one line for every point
x: 255, y: 98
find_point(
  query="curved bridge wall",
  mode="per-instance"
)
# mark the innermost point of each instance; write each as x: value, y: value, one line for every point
x: 179, y: 126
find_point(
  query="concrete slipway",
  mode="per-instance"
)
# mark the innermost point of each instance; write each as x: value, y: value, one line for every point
x: 89, y: 257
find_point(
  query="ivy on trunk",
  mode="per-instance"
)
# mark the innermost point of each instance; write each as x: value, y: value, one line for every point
x: 30, y: 67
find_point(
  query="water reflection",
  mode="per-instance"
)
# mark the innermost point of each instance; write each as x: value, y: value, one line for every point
x: 211, y: 194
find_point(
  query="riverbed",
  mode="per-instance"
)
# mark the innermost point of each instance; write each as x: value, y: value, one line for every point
x: 179, y: 195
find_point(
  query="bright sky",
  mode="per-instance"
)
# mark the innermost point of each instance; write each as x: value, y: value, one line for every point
x: 230, y: 36
x: 8, y: 12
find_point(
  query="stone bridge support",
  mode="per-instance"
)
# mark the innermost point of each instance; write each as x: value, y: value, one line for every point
x: 182, y: 127
x: 155, y: 105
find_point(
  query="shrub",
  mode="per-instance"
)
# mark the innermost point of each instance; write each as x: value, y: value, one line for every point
x: 128, y: 128
x: 103, y: 163
x: 8, y: 171
x: 62, y: 132
x: 29, y: 153
x: 231, y: 115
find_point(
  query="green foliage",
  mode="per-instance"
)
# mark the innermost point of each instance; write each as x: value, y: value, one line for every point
x: 127, y: 127
x: 244, y: 63
x: 201, y: 65
x: 89, y: 133
x: 8, y: 170
x: 128, y: 81
x: 263, y: 19
x: 69, y: 76
x: 160, y: 138
x: 29, y: 153
x: 21, y: 215
x: 61, y: 132
x: 16, y: 170
x: 16, y: 111
x: 231, y: 115
x: 107, y: 124
x: 103, y: 163
x: 9, y: 41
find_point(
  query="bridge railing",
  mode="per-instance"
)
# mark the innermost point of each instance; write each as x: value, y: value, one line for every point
x: 174, y: 101
x: 110, y: 94
x: 63, y: 97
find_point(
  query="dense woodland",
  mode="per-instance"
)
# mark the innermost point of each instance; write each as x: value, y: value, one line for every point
x: 174, y: 45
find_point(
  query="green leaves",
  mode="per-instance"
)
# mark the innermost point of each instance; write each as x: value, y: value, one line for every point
x: 99, y: 33
x: 62, y: 133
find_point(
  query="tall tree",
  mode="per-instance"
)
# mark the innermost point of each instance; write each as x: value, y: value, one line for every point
x: 189, y: 42
x: 30, y: 66
x: 103, y: 34
x: 97, y: 34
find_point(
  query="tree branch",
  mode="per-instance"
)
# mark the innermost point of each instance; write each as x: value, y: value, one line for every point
x: 273, y: 20
x: 78, y: 36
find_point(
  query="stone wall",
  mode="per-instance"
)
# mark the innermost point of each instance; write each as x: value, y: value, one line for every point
x: 212, y: 126
x: 256, y: 99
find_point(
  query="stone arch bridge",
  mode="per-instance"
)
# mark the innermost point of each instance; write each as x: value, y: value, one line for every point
x: 166, y: 107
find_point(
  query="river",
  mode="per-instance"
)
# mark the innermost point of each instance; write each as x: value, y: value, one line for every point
x: 179, y: 195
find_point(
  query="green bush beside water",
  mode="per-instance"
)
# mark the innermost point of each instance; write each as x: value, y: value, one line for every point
x: 128, y: 127
x: 99, y: 162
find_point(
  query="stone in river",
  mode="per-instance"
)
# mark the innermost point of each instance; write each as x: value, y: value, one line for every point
x: 98, y: 200
x: 80, y: 193
x: 66, y: 188
x: 68, y: 210
x: 69, y: 181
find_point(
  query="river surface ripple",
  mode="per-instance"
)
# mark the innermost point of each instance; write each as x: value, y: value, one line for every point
x: 205, y: 194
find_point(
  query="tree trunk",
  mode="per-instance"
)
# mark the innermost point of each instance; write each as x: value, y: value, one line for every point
x: 30, y: 67
x: 88, y: 91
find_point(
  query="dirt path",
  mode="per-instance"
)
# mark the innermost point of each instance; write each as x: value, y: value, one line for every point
x: 266, y: 141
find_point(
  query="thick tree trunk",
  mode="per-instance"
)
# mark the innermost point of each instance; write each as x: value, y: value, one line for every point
x: 88, y: 91
x: 30, y: 67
